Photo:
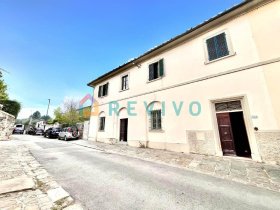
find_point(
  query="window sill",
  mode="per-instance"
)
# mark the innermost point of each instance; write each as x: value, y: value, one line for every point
x: 156, y: 131
x: 124, y: 90
x: 159, y: 78
x: 102, y: 96
x: 218, y: 59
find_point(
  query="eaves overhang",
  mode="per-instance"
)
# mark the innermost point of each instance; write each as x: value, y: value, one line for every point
x: 229, y: 14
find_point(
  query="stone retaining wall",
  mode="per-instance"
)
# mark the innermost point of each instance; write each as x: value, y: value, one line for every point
x: 269, y: 146
x: 7, y: 122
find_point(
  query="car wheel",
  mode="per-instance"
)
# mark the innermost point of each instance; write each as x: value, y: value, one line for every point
x: 65, y: 138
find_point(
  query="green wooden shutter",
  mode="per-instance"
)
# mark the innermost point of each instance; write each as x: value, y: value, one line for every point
x: 222, y: 47
x: 151, y: 72
x: 161, y: 68
x: 212, y: 54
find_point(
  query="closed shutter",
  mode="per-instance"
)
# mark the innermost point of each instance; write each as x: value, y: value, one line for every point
x: 211, y: 49
x: 151, y: 72
x: 222, y: 48
x: 217, y: 47
x: 161, y: 68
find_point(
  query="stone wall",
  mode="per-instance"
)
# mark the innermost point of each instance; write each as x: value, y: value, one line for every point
x: 201, y: 142
x: 7, y: 122
x: 269, y: 146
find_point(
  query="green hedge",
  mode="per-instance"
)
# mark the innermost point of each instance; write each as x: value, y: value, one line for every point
x: 12, y: 107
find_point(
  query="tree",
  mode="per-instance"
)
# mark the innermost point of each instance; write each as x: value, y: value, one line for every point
x: 3, y: 89
x: 46, y: 118
x: 36, y: 115
x: 11, y: 107
x: 69, y: 114
x: 58, y: 115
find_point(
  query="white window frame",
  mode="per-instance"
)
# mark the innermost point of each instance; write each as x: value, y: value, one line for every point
x: 128, y: 79
x: 151, y: 126
x: 229, y: 45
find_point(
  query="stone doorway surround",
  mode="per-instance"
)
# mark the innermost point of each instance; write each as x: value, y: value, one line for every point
x: 248, y: 124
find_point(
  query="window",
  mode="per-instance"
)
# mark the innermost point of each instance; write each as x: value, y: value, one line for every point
x: 217, y: 47
x: 156, y: 70
x: 156, y: 120
x: 228, y: 106
x: 124, y: 82
x: 103, y: 90
x: 101, y: 123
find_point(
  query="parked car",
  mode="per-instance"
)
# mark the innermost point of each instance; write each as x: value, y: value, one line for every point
x: 18, y: 129
x: 52, y: 132
x: 39, y: 131
x: 69, y: 133
x: 31, y: 131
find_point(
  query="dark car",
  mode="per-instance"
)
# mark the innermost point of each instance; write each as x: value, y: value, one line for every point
x: 31, y: 131
x: 39, y: 131
x: 52, y: 132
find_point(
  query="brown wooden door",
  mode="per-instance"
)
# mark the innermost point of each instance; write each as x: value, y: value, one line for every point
x: 123, y: 129
x: 226, y: 135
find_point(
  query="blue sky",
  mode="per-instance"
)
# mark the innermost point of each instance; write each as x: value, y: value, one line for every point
x: 53, y: 48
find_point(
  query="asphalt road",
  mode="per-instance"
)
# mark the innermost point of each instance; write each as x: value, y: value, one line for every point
x: 100, y: 180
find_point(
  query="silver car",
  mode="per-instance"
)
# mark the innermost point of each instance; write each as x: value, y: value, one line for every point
x: 19, y: 128
x: 69, y: 133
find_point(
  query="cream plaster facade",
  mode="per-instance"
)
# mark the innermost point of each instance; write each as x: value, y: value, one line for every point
x: 250, y: 74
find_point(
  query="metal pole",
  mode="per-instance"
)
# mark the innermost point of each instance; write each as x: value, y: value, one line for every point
x: 48, y: 106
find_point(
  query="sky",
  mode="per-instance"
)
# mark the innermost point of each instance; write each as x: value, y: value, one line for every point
x: 53, y: 48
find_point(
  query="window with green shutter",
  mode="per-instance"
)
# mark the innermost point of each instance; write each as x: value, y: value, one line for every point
x: 103, y: 90
x: 217, y: 47
x: 156, y: 70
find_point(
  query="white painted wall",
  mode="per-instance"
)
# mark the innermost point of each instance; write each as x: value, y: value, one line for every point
x: 186, y: 63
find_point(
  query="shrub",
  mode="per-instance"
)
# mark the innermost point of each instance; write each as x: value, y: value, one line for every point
x: 11, y: 107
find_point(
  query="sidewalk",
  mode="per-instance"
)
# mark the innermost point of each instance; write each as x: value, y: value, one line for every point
x: 240, y: 170
x: 25, y: 184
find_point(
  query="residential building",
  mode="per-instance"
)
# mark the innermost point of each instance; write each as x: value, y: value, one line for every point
x: 212, y: 90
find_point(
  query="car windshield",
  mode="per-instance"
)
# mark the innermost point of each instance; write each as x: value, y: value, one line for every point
x: 18, y: 126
